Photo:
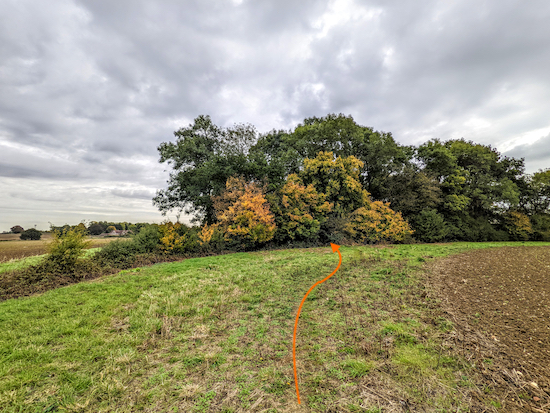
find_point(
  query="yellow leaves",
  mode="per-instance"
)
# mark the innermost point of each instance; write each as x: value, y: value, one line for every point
x: 377, y: 222
x: 336, y: 178
x: 170, y: 239
x: 518, y: 225
x: 244, y: 213
x: 303, y: 209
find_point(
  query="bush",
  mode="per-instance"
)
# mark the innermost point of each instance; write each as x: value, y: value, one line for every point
x: 518, y: 226
x: 118, y: 254
x: 211, y: 238
x: 178, y: 238
x: 147, y: 240
x: 377, y: 222
x: 430, y: 226
x: 541, y: 227
x: 31, y: 234
x: 66, y: 248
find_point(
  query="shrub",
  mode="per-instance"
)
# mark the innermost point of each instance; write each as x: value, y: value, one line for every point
x: 518, y: 226
x: 377, y: 222
x: 178, y: 238
x: 147, y: 240
x: 118, y: 254
x: 430, y: 226
x: 211, y: 238
x: 18, y: 229
x: 541, y: 227
x: 66, y: 248
x: 31, y: 234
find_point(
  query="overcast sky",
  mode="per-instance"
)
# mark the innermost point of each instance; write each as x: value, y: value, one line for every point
x: 89, y: 89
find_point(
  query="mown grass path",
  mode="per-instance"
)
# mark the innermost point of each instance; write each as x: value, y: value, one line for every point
x: 214, y: 334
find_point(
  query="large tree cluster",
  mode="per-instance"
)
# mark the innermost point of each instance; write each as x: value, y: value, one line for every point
x: 331, y: 179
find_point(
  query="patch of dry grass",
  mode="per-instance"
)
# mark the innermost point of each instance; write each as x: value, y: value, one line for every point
x: 12, y: 248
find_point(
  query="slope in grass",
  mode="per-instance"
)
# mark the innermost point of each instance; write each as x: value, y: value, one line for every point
x: 215, y: 334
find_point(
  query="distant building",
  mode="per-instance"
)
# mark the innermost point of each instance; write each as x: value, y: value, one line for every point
x: 117, y: 233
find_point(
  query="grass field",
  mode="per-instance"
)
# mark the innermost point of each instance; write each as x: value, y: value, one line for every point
x: 214, y: 334
x: 12, y: 248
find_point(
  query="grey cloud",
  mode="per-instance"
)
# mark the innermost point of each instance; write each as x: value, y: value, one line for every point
x: 95, y: 86
x: 131, y: 193
x: 537, y: 152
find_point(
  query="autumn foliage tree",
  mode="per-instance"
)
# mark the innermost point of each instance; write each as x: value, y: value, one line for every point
x: 301, y: 211
x: 352, y: 213
x: 244, y: 213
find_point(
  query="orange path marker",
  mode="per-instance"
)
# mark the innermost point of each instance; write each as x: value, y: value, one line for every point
x: 335, y: 248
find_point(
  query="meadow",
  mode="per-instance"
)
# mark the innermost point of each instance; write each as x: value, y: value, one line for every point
x: 12, y: 248
x: 214, y: 334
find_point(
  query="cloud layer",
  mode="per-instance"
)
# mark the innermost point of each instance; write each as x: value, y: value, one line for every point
x: 90, y: 89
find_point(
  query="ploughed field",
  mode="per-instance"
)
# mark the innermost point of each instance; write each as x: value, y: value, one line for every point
x: 502, y: 295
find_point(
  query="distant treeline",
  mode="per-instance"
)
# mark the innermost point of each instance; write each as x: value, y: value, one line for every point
x: 331, y: 179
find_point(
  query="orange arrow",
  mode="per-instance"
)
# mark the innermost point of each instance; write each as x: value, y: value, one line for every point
x: 334, y: 249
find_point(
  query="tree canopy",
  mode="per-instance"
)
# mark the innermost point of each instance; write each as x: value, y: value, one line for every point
x: 330, y: 175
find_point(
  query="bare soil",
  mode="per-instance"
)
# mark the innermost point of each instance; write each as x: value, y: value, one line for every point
x: 499, y: 300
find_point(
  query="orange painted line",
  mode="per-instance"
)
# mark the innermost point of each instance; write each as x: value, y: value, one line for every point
x: 335, y: 248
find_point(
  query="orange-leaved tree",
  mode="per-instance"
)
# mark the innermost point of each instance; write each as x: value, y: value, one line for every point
x: 243, y: 212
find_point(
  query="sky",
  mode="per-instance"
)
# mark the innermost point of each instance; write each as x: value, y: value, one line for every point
x: 89, y: 89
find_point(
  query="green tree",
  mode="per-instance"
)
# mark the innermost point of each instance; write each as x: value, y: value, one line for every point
x: 283, y: 153
x: 31, y: 234
x: 430, y: 226
x: 538, y: 201
x: 96, y: 229
x: 203, y: 157
x: 477, y: 184
x: 412, y: 191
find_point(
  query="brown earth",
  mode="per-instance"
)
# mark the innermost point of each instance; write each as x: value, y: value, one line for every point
x: 499, y: 300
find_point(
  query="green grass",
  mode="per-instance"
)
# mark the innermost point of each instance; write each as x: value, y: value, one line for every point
x: 215, y: 334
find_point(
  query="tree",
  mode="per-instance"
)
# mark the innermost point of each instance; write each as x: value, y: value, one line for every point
x: 478, y: 186
x: 31, y: 234
x: 243, y: 212
x: 538, y: 198
x: 412, y: 191
x: 337, y: 179
x: 96, y: 229
x: 518, y: 226
x: 430, y: 226
x: 203, y: 157
x: 376, y: 222
x: 284, y: 152
x: 300, y: 212
x: 352, y: 212
x: 17, y: 229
